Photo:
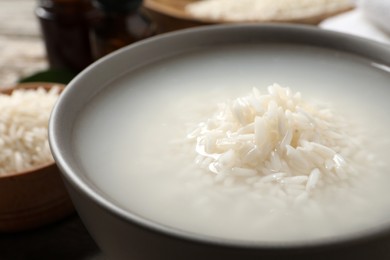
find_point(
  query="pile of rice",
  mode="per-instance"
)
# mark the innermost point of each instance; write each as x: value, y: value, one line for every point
x: 24, y: 117
x: 265, y: 10
x: 278, y: 143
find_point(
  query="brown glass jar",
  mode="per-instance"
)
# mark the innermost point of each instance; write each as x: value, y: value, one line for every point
x: 115, y: 24
x: 65, y: 32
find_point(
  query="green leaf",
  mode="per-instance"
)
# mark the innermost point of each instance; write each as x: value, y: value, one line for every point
x: 52, y: 75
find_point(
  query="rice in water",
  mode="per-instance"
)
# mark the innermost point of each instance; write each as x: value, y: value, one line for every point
x: 215, y: 152
x: 275, y: 143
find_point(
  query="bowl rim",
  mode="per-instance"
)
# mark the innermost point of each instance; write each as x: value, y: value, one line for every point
x: 29, y: 85
x: 341, y: 40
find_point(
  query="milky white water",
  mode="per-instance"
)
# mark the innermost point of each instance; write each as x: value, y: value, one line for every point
x: 131, y: 142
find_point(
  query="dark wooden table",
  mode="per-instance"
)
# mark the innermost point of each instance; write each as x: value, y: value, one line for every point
x: 65, y: 240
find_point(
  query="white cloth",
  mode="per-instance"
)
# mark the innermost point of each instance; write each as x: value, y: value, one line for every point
x: 370, y: 19
x: 377, y: 11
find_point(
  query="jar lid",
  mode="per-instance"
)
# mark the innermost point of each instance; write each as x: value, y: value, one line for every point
x: 117, y: 5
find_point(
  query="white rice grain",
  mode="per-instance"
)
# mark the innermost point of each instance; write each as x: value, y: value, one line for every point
x: 313, y: 179
x: 277, y: 140
x: 24, y: 117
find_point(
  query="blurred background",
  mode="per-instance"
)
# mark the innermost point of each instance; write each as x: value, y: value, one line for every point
x: 53, y: 40
x: 22, y: 51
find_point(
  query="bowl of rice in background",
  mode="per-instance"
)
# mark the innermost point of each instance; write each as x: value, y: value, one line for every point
x: 182, y: 147
x: 32, y: 193
x: 172, y: 15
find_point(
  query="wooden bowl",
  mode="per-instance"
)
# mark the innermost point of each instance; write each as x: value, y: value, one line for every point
x: 170, y: 15
x: 36, y: 196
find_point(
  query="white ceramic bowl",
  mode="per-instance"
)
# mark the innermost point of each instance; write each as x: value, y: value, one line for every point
x: 123, y: 234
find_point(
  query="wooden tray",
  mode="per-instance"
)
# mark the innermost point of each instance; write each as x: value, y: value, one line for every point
x: 170, y: 15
